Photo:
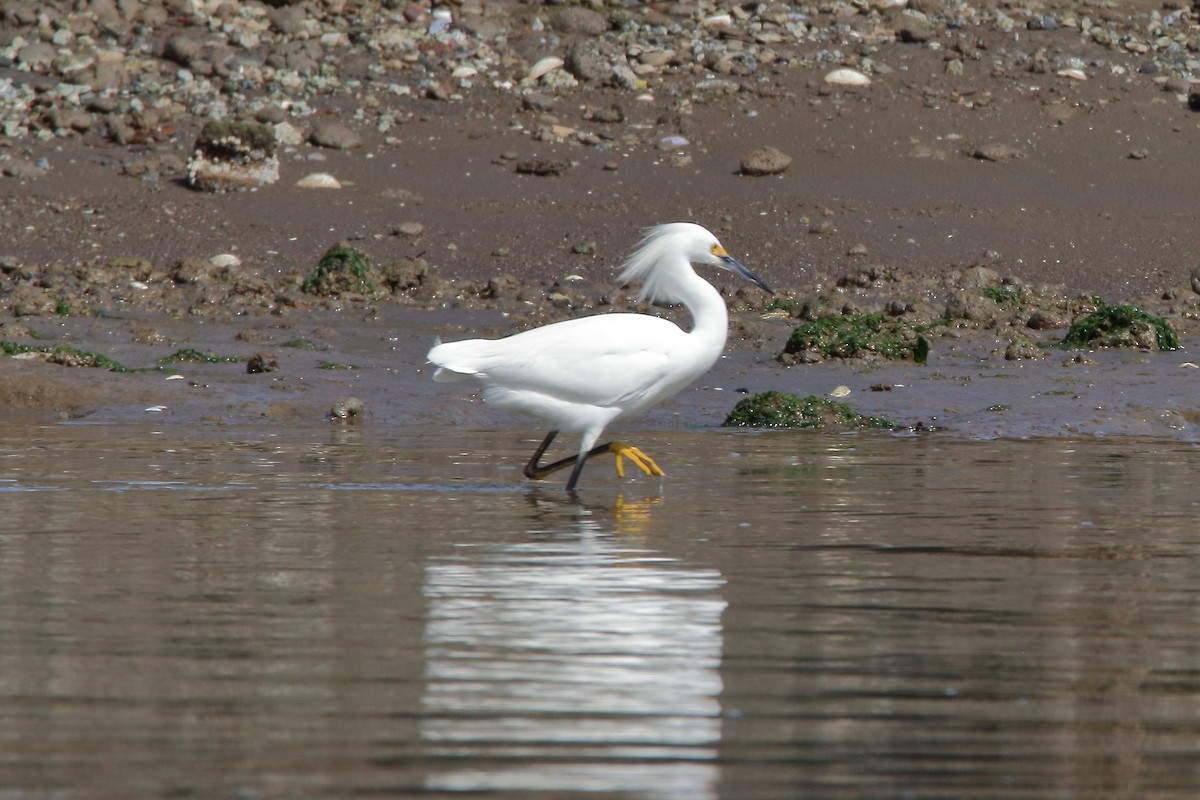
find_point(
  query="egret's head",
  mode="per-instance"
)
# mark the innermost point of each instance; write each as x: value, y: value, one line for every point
x: 713, y: 252
x: 665, y: 244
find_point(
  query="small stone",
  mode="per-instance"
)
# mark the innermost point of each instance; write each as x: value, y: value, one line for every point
x: 21, y: 169
x: 585, y: 62
x: 579, y: 20
x: 288, y: 134
x: 656, y: 58
x: 1047, y: 319
x: 979, y: 278
x: 537, y: 102
x: 262, y: 362
x: 319, y: 180
x: 1023, y: 349
x: 997, y: 151
x: 914, y: 32
x: 544, y: 66
x: 539, y: 166
x: 31, y: 301
x: 334, y: 134
x: 38, y: 55
x: 847, y: 77
x: 972, y: 307
x: 612, y: 115
x: 410, y: 229
x: 347, y: 409
x: 765, y: 161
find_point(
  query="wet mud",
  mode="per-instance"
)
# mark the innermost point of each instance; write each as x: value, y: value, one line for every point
x: 1005, y: 169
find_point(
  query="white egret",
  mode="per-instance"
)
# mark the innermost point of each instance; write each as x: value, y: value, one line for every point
x: 583, y: 374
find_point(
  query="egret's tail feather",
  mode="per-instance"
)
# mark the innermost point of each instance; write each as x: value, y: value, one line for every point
x: 451, y: 360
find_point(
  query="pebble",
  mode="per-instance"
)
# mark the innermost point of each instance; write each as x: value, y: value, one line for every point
x: 997, y: 151
x: 97, y: 68
x: 319, y: 180
x: 765, y: 161
x: 262, y: 362
x: 346, y: 409
x: 543, y: 67
x: 409, y: 229
x: 225, y: 260
x: 334, y: 134
x: 579, y: 20
x: 847, y: 77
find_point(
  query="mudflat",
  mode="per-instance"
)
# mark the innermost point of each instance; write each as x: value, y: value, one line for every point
x: 989, y: 172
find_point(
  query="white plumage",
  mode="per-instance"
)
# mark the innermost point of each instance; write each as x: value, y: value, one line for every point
x: 581, y: 375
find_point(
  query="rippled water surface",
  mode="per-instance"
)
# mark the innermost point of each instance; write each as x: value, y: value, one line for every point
x: 323, y: 612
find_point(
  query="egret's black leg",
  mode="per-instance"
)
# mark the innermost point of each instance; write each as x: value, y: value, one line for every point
x: 579, y: 462
x: 536, y: 471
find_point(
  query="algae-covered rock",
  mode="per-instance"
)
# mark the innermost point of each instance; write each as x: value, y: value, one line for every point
x: 231, y: 155
x: 342, y: 269
x: 783, y: 410
x: 857, y: 336
x: 1121, y: 326
x: 1021, y: 349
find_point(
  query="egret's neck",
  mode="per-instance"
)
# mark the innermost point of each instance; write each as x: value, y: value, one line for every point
x: 710, y: 318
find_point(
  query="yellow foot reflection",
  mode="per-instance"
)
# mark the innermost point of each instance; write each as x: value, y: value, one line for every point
x: 642, y: 461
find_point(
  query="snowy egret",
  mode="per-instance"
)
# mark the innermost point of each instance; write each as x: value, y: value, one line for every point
x: 582, y: 374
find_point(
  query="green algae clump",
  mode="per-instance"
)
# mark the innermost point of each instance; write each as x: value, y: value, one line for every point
x: 1121, y: 326
x: 858, y: 335
x: 190, y: 355
x: 783, y: 410
x: 342, y: 269
x: 63, y: 355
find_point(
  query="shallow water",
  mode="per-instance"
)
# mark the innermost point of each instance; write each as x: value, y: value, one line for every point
x: 329, y: 612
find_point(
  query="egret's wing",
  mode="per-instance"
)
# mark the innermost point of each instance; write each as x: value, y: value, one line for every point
x: 605, y: 360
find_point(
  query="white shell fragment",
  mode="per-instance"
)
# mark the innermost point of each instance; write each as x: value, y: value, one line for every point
x: 847, y: 77
x: 718, y: 21
x: 544, y: 66
x: 319, y: 180
x: 840, y: 391
x: 225, y: 260
x: 156, y: 409
x: 175, y: 377
x: 1074, y: 74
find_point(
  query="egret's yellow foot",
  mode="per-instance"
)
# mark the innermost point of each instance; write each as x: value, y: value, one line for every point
x: 640, y: 460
